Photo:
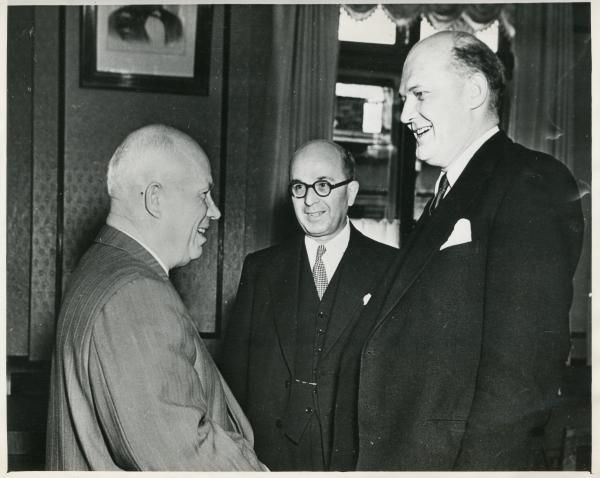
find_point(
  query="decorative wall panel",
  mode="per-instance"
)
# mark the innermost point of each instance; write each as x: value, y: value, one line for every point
x: 18, y: 187
x: 45, y: 163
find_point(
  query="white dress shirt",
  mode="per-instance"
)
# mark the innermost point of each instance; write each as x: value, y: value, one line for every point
x: 334, y: 250
x: 461, y: 163
x: 162, y: 264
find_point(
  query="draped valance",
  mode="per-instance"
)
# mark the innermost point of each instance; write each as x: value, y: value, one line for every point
x: 464, y: 17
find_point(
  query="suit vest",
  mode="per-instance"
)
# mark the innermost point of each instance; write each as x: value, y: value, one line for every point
x: 312, y: 319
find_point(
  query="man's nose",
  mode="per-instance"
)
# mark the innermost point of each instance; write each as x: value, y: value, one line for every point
x: 311, y: 197
x: 408, y: 111
x: 213, y: 211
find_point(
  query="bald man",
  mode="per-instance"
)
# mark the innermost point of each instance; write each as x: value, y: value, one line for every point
x: 295, y: 305
x: 461, y: 349
x: 133, y: 387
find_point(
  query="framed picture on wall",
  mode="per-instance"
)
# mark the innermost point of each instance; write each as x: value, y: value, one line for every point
x: 161, y: 48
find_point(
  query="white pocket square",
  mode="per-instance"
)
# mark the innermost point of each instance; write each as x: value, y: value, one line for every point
x: 366, y: 299
x: 460, y: 235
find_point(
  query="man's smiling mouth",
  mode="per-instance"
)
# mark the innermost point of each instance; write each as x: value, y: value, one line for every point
x: 315, y: 214
x: 418, y: 132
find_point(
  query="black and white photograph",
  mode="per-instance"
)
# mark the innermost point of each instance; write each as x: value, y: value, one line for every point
x: 147, y: 47
x: 299, y: 237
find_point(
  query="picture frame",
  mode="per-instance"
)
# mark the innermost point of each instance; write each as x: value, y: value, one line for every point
x: 152, y: 48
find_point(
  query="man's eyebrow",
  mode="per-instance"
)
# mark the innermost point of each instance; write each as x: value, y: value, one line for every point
x: 206, y: 190
x: 408, y: 90
x: 320, y: 178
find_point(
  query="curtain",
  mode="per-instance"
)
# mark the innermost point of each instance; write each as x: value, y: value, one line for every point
x: 541, y: 111
x: 464, y: 17
x: 300, y: 105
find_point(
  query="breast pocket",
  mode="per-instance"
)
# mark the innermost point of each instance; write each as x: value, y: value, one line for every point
x: 466, y: 249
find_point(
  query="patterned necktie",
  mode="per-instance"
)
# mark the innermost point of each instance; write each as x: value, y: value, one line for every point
x: 444, y: 184
x: 319, y: 273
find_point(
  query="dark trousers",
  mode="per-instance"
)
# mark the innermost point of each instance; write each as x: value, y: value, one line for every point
x: 307, y: 455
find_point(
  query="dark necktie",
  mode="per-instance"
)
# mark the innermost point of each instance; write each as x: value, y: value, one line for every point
x: 319, y: 272
x: 444, y: 185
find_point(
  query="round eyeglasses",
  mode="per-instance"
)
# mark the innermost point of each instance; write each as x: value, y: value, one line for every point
x: 298, y: 189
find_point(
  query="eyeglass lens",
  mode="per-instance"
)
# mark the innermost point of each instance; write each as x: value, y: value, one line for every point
x: 322, y: 188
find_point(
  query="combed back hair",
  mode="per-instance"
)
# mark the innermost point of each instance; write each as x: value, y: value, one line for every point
x: 470, y: 55
x: 127, y: 159
x: 348, y: 163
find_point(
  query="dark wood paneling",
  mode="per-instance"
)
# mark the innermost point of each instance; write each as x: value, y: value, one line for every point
x: 248, y: 73
x: 45, y: 166
x: 18, y: 185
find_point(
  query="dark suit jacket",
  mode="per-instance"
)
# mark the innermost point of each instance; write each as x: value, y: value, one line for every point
x: 133, y: 387
x: 261, y: 340
x: 466, y: 346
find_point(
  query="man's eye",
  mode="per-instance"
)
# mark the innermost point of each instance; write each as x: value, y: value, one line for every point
x: 420, y: 95
x: 322, y: 186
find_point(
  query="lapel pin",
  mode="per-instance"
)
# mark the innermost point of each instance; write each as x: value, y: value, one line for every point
x: 366, y: 299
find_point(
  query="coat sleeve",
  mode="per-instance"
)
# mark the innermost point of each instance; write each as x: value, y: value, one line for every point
x: 237, y: 341
x: 534, y: 246
x: 154, y: 409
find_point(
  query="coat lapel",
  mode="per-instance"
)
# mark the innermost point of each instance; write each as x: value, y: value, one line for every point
x: 284, y: 277
x: 356, y: 270
x: 434, y: 231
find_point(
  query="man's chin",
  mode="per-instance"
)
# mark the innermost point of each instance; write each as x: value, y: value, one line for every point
x: 312, y: 229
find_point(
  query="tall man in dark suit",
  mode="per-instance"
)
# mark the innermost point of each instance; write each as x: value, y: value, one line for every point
x: 296, y: 304
x: 133, y: 386
x: 461, y: 349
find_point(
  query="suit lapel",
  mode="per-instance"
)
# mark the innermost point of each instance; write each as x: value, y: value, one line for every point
x: 356, y: 270
x: 284, y: 277
x: 435, y: 230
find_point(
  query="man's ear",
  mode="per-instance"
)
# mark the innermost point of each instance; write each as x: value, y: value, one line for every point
x: 478, y: 90
x: 154, y: 199
x: 352, y: 192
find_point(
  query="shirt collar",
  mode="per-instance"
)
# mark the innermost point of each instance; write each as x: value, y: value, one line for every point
x: 162, y: 264
x: 461, y: 162
x: 335, y: 247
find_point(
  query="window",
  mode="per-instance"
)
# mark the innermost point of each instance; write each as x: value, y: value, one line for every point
x: 363, y: 125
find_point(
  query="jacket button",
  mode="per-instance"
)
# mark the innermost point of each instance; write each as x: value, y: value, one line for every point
x: 321, y: 315
x: 315, y: 389
x: 287, y: 384
x: 308, y: 410
x: 278, y: 423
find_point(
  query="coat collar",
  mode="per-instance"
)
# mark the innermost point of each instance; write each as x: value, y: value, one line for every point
x: 113, y: 237
x: 431, y: 232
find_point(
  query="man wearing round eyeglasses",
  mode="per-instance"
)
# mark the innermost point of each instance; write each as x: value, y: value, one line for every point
x: 295, y: 307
